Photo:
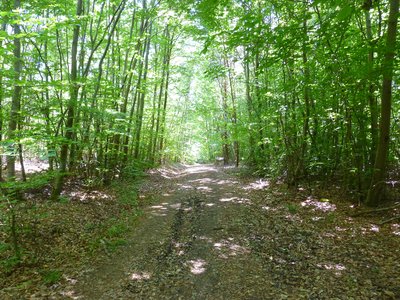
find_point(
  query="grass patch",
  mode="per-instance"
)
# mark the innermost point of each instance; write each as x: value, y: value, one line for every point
x: 50, y: 277
x: 117, y: 229
x: 292, y: 208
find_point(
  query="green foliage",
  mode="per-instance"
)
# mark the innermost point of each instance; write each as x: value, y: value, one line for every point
x: 116, y: 230
x: 292, y: 208
x: 63, y: 199
x: 289, y: 87
x: 50, y: 277
x: 331, y: 218
x: 135, y: 169
x: 10, y: 263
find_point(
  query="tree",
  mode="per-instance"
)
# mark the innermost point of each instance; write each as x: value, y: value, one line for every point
x: 377, y: 189
x: 71, y: 106
x: 15, y: 111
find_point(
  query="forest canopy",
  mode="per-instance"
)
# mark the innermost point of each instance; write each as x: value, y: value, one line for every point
x: 295, y: 89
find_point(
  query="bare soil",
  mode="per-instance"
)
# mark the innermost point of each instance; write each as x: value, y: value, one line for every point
x: 207, y: 233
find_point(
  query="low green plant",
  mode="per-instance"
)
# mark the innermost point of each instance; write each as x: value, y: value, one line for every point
x: 113, y: 245
x: 63, y: 199
x: 51, y: 276
x: 8, y: 264
x: 4, y: 247
x: 128, y: 195
x: 135, y: 169
x: 116, y: 230
x: 330, y: 218
x: 292, y: 208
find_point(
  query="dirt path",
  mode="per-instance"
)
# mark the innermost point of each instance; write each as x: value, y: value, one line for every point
x: 208, y: 236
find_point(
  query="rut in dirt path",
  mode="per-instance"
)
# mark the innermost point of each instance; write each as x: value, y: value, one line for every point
x: 209, y: 235
x: 185, y: 246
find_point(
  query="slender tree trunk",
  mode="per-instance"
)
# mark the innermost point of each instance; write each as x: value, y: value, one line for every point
x: 167, y: 78
x: 250, y: 112
x: 72, y: 102
x: 16, y: 100
x: 234, y: 114
x: 142, y: 97
x: 300, y: 168
x: 21, y: 161
x: 3, y: 27
x: 224, y: 133
x: 371, y: 89
x: 159, y: 105
x: 259, y: 105
x: 377, y: 187
x: 150, y: 155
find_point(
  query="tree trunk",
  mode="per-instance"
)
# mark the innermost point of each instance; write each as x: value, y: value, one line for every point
x: 377, y: 188
x: 167, y: 79
x: 74, y: 89
x: 142, y: 97
x: 371, y: 89
x: 250, y: 111
x: 3, y: 28
x: 16, y: 100
x: 236, y: 147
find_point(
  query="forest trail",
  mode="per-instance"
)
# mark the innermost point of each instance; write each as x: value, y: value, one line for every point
x: 207, y: 234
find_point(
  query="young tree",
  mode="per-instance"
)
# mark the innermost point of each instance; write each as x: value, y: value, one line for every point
x: 15, y: 112
x: 71, y: 106
x: 376, y: 191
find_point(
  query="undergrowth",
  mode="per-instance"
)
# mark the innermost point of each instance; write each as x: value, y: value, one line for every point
x: 57, y: 237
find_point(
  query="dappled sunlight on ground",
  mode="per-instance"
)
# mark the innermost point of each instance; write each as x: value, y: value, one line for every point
x: 341, y: 229
x: 218, y: 232
x: 236, y: 200
x: 140, y: 276
x: 204, y: 181
x: 198, y: 169
x: 32, y: 166
x: 370, y: 228
x: 260, y: 184
x: 84, y: 196
x: 336, y: 268
x: 293, y: 218
x: 176, y: 206
x: 185, y: 187
x: 205, y: 189
x: 228, y: 248
x: 268, y: 208
x: 159, y: 210
x: 197, y: 266
x: 179, y: 248
x: 226, y: 182
x: 324, y: 206
x: 167, y: 173
x: 396, y: 229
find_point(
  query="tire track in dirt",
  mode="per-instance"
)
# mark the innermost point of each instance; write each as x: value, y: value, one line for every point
x: 183, y: 248
x: 209, y: 235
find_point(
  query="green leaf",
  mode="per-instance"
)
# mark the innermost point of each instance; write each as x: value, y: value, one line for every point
x: 345, y: 13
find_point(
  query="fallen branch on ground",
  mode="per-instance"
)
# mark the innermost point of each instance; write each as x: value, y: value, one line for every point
x: 390, y: 220
x: 375, y: 210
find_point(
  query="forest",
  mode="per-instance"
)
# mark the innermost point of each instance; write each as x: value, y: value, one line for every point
x: 98, y: 95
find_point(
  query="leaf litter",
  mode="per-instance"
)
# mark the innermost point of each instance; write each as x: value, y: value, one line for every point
x: 209, y: 233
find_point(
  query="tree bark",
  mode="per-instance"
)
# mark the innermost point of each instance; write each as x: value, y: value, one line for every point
x: 3, y: 28
x: 16, y: 100
x: 371, y: 89
x: 74, y: 90
x: 377, y: 188
x: 167, y: 79
x: 142, y: 96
